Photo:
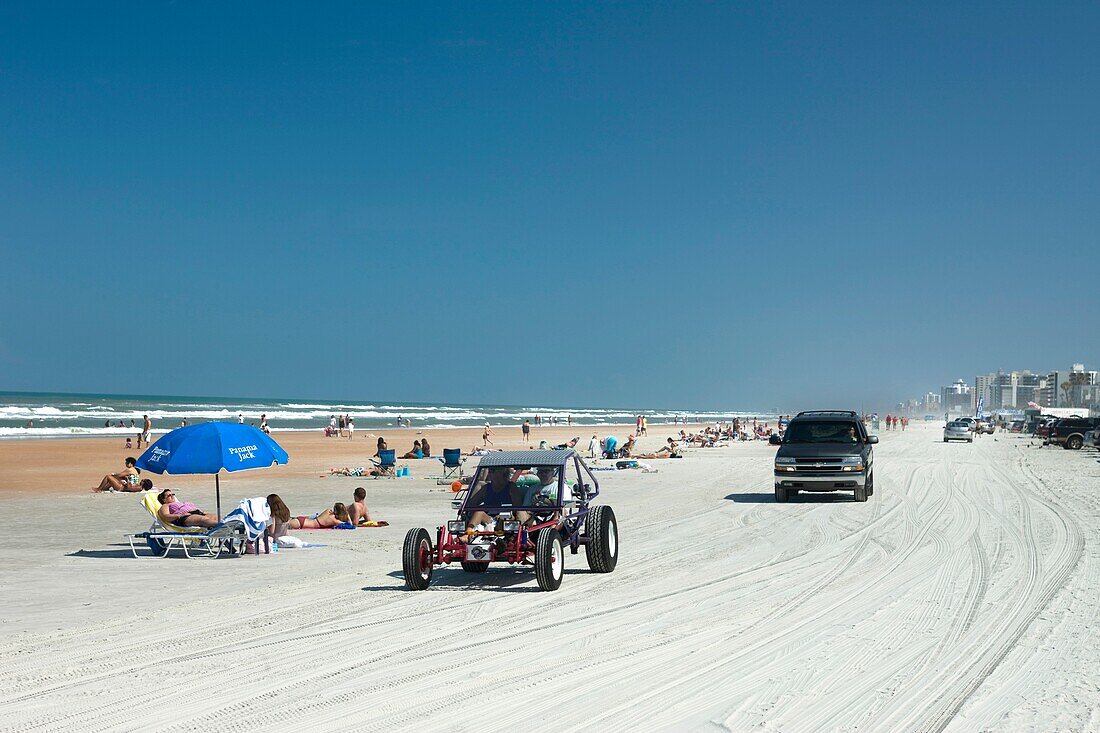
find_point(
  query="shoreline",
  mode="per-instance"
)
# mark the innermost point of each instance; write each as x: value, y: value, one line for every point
x: 72, y: 465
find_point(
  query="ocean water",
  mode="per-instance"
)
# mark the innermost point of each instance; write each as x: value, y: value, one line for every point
x: 42, y: 415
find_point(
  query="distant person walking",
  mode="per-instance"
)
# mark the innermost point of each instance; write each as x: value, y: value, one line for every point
x: 485, y: 435
x: 146, y: 428
x: 341, y: 425
x: 593, y: 447
x: 351, y: 427
x: 645, y: 425
x: 526, y: 431
x: 240, y: 418
x: 263, y: 424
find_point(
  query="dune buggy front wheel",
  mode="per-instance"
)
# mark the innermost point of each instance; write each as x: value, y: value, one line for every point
x: 549, y: 560
x: 417, y: 559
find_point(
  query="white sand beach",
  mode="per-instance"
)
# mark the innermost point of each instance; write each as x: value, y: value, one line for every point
x: 961, y: 597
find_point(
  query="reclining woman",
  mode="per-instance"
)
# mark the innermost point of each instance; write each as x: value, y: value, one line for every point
x: 182, y: 513
x: 669, y: 451
x: 338, y: 514
x: 124, y: 480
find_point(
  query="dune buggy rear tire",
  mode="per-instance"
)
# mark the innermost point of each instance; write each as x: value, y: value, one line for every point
x: 602, y: 549
x: 474, y: 567
x: 417, y: 559
x: 549, y: 560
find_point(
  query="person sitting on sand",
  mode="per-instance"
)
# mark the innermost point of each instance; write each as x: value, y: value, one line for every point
x: 425, y: 447
x: 381, y: 447
x: 182, y: 513
x: 280, y: 516
x: 358, y: 511
x: 628, y: 447
x: 124, y: 480
x: 416, y: 452
x: 498, y: 491
x: 323, y: 520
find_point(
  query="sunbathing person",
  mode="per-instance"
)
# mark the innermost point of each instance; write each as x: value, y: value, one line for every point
x: 358, y: 512
x: 345, y: 471
x: 416, y: 452
x: 323, y: 520
x: 182, y: 513
x: 427, y: 449
x: 669, y: 451
x: 124, y: 480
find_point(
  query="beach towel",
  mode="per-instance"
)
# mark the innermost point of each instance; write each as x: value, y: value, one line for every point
x: 375, y: 523
x: 254, y: 514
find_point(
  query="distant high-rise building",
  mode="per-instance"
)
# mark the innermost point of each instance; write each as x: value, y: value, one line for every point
x: 956, y: 398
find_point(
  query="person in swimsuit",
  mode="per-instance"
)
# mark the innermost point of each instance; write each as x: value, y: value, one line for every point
x: 498, y: 491
x: 425, y: 447
x: 182, y: 513
x: 280, y: 516
x: 124, y: 480
x: 328, y: 518
x: 416, y: 452
x: 358, y: 511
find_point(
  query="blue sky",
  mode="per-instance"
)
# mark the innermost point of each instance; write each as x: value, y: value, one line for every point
x: 679, y: 205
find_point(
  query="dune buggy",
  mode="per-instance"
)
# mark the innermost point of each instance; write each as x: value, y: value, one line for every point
x: 522, y: 508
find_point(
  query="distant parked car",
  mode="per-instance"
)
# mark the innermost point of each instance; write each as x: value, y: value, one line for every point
x: 971, y: 423
x: 1069, y: 432
x: 1042, y: 428
x: 986, y: 427
x: 1017, y: 426
x: 957, y: 430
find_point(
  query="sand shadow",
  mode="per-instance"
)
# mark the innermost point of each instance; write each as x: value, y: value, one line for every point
x: 144, y: 553
x: 802, y: 497
x: 101, y: 554
x: 498, y: 579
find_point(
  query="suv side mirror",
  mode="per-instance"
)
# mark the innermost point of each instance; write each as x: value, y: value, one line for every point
x: 872, y: 438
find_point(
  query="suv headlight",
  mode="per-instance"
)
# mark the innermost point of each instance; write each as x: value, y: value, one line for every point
x: 852, y: 459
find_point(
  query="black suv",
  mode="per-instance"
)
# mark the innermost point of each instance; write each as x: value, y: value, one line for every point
x: 825, y: 450
x: 1069, y: 432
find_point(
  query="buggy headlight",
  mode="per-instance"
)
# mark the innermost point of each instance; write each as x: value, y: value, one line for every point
x: 511, y: 526
x: 456, y: 526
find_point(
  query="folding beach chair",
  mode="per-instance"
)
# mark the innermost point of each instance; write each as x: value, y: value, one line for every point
x: 387, y: 462
x: 162, y: 538
x: 452, y: 465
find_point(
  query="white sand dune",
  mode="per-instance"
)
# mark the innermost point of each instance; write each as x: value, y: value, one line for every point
x: 962, y: 596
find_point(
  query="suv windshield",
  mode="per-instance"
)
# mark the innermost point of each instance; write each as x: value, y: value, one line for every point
x: 820, y: 431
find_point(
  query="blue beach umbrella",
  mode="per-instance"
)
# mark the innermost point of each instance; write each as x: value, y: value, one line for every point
x: 211, y: 447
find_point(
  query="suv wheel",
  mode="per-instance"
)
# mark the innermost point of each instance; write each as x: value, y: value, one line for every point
x: 860, y: 493
x: 780, y: 494
x: 870, y: 486
x: 1074, y: 442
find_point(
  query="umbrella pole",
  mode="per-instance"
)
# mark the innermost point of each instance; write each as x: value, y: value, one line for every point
x: 218, y: 493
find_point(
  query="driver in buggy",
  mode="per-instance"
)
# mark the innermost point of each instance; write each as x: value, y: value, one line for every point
x: 498, y: 491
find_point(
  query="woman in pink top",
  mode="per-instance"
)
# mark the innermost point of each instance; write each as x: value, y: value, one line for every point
x: 182, y: 513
